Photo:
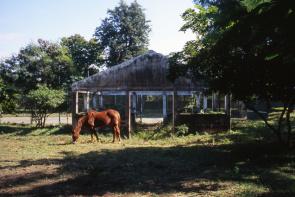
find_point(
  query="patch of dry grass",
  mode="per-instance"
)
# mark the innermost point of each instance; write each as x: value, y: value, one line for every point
x: 242, y: 162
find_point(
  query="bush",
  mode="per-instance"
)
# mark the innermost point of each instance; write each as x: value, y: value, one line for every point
x: 42, y: 101
x: 181, y: 130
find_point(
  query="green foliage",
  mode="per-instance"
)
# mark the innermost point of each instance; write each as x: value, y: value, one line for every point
x: 8, y: 98
x: 245, y: 48
x: 42, y: 63
x: 124, y: 33
x: 181, y: 130
x: 46, y: 98
x: 83, y: 53
x: 42, y: 101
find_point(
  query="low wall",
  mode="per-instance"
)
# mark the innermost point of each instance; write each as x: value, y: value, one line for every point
x: 204, y: 122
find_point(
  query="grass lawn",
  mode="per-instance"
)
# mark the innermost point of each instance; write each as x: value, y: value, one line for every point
x: 243, y: 162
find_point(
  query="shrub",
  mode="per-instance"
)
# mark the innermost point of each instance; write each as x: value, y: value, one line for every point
x: 181, y: 130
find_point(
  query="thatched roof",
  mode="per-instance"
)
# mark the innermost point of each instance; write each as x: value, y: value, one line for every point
x: 143, y: 73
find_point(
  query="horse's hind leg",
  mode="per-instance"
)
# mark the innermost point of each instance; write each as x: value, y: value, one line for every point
x: 117, y: 132
x: 114, y: 134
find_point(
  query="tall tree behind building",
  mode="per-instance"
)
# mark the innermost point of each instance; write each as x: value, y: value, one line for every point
x: 124, y: 33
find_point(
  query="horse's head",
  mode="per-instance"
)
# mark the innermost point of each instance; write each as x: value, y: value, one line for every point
x: 76, y: 130
x: 75, y: 134
x: 91, y: 118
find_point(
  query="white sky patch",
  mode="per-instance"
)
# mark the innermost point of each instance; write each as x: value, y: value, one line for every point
x: 11, y: 37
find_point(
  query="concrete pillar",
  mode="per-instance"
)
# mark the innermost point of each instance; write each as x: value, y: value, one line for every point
x: 164, y: 106
x: 198, y: 102
x: 228, y: 109
x: 133, y: 98
x: 74, y: 108
x: 94, y: 101
x: 100, y: 100
x: 76, y: 102
x: 128, y: 113
x: 205, y: 103
x: 86, y: 101
x: 173, y: 111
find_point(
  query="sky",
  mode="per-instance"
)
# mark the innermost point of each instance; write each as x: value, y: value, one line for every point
x: 25, y: 21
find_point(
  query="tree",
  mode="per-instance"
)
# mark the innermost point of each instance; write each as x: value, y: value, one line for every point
x: 124, y: 33
x: 42, y: 101
x: 42, y: 63
x: 83, y: 54
x: 246, y: 48
x: 8, y: 98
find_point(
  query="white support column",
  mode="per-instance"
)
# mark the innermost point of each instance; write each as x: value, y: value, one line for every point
x: 212, y: 101
x: 164, y: 105
x: 173, y: 111
x: 74, y: 108
x: 225, y: 103
x: 86, y: 101
x: 228, y: 108
x: 76, y: 101
x: 94, y: 97
x: 205, y: 104
x: 101, y: 100
x: 141, y: 107
x: 128, y: 113
x: 198, y: 102
x: 133, y: 98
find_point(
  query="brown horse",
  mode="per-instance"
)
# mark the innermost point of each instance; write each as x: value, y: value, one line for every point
x: 98, y: 119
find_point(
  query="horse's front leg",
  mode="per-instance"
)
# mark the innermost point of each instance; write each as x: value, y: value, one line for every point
x: 96, y: 136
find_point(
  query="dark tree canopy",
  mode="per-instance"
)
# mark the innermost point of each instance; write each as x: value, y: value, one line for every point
x: 124, y: 33
x: 245, y: 48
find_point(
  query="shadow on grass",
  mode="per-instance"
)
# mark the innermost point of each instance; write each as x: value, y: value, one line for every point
x: 194, y: 169
x: 21, y: 130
